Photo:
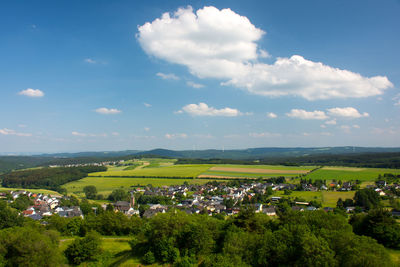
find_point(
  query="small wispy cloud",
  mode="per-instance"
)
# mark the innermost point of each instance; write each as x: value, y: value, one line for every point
x: 307, y: 115
x: 348, y: 112
x: 264, y: 135
x: 147, y: 105
x: 146, y: 129
x: 29, y: 92
x: 167, y: 76
x: 202, y: 109
x: 175, y: 136
x: 90, y: 60
x: 6, y: 131
x: 108, y: 111
x: 271, y: 115
x: 194, y: 85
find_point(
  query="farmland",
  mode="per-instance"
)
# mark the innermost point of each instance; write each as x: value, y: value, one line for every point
x: 168, y: 171
x: 105, y: 185
x: 36, y: 191
x: 346, y: 173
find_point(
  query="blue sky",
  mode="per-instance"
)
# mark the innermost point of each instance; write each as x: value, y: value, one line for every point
x: 116, y: 75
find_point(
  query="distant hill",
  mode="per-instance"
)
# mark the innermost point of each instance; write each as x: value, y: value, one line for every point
x: 257, y: 153
x: 300, y: 155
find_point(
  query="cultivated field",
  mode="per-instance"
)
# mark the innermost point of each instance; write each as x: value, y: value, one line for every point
x: 105, y: 185
x: 346, y: 173
x: 168, y: 171
x: 254, y: 171
x: 327, y: 198
x: 36, y: 191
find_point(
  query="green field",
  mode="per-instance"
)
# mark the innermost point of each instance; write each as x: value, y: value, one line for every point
x: 37, y: 191
x: 105, y: 185
x: 168, y: 171
x: 327, y: 198
x: 346, y: 173
x: 255, y: 171
x: 244, y: 174
x: 268, y: 167
x: 116, y: 252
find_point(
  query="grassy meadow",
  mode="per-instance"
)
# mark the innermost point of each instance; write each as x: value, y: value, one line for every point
x: 349, y: 173
x: 36, y: 191
x: 105, y: 185
x: 167, y: 171
x: 327, y: 198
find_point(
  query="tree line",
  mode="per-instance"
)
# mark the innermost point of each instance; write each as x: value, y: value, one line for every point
x: 47, y: 178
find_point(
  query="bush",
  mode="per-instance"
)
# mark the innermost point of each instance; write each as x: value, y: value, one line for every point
x: 84, y: 249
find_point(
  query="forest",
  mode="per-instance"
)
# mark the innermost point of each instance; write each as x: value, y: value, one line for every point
x: 47, y: 178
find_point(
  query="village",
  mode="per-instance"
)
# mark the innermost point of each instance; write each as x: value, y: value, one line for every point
x: 212, y: 198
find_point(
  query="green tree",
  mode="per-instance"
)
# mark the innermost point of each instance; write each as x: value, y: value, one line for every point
x: 26, y: 246
x: 90, y: 191
x: 118, y: 195
x: 84, y: 249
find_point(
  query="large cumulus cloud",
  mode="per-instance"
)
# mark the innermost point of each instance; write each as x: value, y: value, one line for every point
x: 221, y: 44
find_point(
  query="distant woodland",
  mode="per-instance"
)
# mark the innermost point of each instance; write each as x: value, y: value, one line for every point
x: 47, y: 178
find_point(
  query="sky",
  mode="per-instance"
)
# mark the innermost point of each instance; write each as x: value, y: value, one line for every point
x: 118, y: 75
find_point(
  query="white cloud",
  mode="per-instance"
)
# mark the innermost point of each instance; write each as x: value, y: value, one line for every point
x: 147, y: 105
x: 6, y: 131
x: 169, y: 76
x: 356, y: 126
x: 264, y: 135
x: 90, y: 61
x: 108, y: 111
x: 271, y: 115
x: 307, y: 115
x: 323, y: 126
x: 32, y: 92
x: 345, y: 128
x: 331, y: 122
x: 397, y: 100
x: 146, y: 129
x: 115, y: 133
x: 221, y: 44
x: 202, y: 109
x: 348, y: 112
x: 74, y: 133
x: 263, y: 54
x: 194, y: 85
x: 175, y: 136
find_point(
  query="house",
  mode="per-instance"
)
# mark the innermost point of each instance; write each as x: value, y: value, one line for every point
x: 270, y: 211
x: 122, y: 206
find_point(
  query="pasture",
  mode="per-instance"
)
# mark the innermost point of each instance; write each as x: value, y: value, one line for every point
x: 254, y: 171
x: 327, y: 198
x: 105, y: 185
x: 347, y: 173
x: 167, y: 171
x: 36, y: 191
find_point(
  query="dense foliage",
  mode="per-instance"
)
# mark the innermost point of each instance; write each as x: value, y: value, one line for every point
x: 48, y: 178
x: 380, y: 225
x: 29, y: 246
x: 84, y: 249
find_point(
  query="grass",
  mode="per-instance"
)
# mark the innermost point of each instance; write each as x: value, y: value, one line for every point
x: 330, y: 198
x: 269, y: 167
x: 395, y: 255
x: 244, y: 174
x: 327, y: 198
x: 105, y: 185
x: 346, y: 173
x: 36, y: 191
x: 116, y: 252
x: 168, y: 171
